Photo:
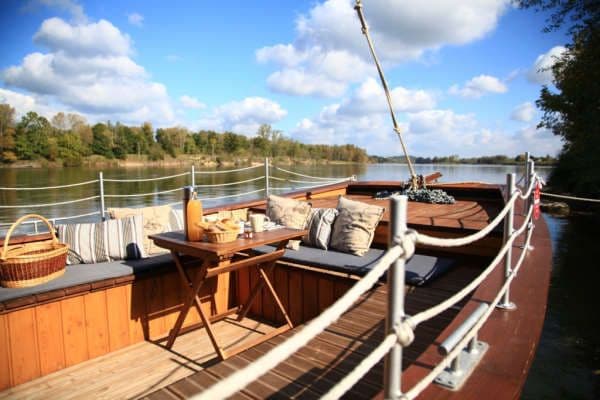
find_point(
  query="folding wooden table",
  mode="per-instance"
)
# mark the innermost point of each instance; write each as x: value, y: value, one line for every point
x: 216, y: 258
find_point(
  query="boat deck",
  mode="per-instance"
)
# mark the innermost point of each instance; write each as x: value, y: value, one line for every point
x: 137, y: 371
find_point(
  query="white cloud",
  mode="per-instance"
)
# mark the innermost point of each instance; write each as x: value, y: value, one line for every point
x: 401, y: 32
x: 135, y: 19
x: 191, y: 102
x: 243, y: 116
x: 94, y: 39
x: 523, y: 112
x: 541, y: 71
x: 313, y: 72
x: 363, y: 121
x: 23, y: 103
x: 479, y: 86
x: 88, y: 70
x: 173, y: 58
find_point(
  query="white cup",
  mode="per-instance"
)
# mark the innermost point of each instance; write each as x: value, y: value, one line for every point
x: 258, y: 222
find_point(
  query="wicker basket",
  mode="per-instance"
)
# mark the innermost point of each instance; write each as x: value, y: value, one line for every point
x: 222, y: 237
x: 32, y: 263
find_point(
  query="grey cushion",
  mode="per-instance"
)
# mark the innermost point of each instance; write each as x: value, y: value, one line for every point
x: 419, y: 269
x: 87, y: 273
x: 319, y: 227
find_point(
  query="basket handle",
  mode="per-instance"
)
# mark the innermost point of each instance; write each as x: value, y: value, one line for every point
x: 18, y: 222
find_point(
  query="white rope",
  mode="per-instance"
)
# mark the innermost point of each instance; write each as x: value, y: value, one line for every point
x: 230, y: 183
x: 426, y: 381
x: 333, y: 180
x: 50, y: 204
x: 239, y: 379
x: 361, y: 369
x: 49, y: 187
x: 54, y: 219
x: 414, y: 320
x: 532, y: 185
x: 302, y: 175
x: 562, y: 196
x: 146, y: 179
x: 229, y: 170
x: 141, y: 194
x: 231, y: 195
x: 438, y: 242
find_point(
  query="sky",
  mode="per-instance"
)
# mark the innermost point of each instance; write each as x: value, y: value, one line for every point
x: 464, y: 75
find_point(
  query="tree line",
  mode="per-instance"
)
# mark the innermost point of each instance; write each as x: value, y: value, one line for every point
x: 69, y: 138
x: 455, y: 159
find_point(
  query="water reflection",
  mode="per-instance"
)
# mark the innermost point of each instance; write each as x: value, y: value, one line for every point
x: 567, y: 363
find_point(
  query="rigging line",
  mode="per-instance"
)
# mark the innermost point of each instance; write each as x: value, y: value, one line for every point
x: 146, y: 179
x: 562, y: 196
x: 365, y: 31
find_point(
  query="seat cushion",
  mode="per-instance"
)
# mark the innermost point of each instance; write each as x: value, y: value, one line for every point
x: 419, y: 269
x: 87, y: 273
x: 354, y: 227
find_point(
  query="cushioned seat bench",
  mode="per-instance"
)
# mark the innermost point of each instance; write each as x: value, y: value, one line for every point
x: 80, y: 275
x: 419, y: 269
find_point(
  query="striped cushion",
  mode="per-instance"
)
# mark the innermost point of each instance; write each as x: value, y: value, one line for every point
x: 114, y: 239
x: 176, y: 219
x: 319, y: 227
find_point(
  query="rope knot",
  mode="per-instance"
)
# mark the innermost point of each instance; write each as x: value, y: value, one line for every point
x: 404, y: 332
x: 407, y: 242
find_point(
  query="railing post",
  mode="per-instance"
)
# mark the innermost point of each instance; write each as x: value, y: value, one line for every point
x: 506, y: 304
x: 395, y: 312
x: 101, y: 181
x: 530, y: 225
x: 527, y: 180
x: 193, y: 176
x: 267, y: 192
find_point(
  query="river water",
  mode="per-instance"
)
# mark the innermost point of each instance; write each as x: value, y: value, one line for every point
x: 567, y: 364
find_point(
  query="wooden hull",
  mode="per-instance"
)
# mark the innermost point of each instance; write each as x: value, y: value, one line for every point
x: 44, y: 335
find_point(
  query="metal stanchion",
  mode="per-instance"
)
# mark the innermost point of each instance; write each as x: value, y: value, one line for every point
x: 506, y: 304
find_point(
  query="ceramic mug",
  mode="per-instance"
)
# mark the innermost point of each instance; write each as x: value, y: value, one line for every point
x: 258, y: 222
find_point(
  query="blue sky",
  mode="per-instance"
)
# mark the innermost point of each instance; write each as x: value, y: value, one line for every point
x: 465, y: 75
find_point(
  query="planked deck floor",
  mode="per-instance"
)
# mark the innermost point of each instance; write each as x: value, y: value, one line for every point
x: 325, y: 360
x: 139, y: 369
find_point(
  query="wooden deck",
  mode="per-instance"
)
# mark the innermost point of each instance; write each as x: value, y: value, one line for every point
x: 318, y: 366
x: 139, y: 369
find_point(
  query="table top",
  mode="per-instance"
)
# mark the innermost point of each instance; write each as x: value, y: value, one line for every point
x: 176, y: 241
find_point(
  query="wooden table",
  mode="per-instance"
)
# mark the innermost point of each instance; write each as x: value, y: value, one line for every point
x: 216, y: 259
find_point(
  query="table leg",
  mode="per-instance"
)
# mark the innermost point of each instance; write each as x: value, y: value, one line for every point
x: 193, y: 289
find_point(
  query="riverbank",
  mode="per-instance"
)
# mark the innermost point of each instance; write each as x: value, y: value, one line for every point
x: 134, y: 161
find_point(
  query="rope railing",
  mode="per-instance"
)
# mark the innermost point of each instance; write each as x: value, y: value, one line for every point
x: 142, y: 194
x: 51, y: 204
x: 228, y: 170
x: 230, y: 183
x: 232, y: 195
x: 54, y: 219
x: 445, y: 362
x: 332, y: 180
x: 50, y: 187
x: 562, y: 196
x: 239, y: 379
x: 463, y: 241
x: 160, y: 178
x: 404, y: 332
x: 302, y: 175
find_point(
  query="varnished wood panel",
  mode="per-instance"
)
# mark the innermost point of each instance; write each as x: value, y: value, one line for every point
x: 24, y: 360
x: 137, y: 311
x: 153, y: 299
x: 74, y: 332
x: 96, y: 323
x: 325, y: 293
x: 310, y: 298
x: 282, y: 289
x: 50, y: 337
x: 5, y: 369
x: 268, y: 303
x: 295, y: 308
x: 118, y: 318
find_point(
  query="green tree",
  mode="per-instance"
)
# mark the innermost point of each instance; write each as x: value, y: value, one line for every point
x: 7, y: 133
x: 572, y: 111
x: 101, y: 144
x: 32, y: 136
